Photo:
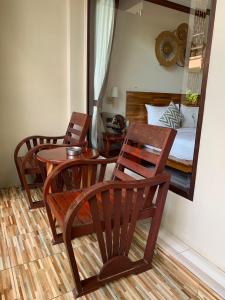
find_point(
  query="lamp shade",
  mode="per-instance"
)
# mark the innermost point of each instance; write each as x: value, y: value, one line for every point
x: 132, y: 6
x: 114, y: 92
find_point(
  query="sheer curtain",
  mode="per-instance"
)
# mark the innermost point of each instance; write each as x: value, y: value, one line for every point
x: 197, y: 39
x: 104, y: 28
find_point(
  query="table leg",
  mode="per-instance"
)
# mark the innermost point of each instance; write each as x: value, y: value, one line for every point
x: 49, y: 167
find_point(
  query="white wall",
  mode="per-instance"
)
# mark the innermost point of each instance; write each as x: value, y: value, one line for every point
x: 42, y: 73
x: 78, y: 55
x: 134, y: 64
x: 33, y: 74
x: 201, y: 223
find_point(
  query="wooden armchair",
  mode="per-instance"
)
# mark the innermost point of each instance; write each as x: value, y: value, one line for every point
x: 87, y: 204
x: 28, y: 169
x: 114, y: 210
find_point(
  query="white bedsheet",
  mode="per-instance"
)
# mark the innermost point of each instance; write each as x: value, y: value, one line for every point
x: 184, y: 143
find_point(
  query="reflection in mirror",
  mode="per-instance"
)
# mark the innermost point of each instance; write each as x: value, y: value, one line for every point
x: 157, y: 74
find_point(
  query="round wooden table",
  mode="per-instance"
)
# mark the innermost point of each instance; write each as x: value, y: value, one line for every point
x: 56, y: 156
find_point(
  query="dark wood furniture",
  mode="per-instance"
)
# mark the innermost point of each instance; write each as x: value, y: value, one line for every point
x: 135, y: 103
x: 92, y: 206
x: 110, y: 140
x: 179, y: 7
x: 114, y: 209
x: 56, y: 156
x: 136, y: 112
x: 25, y: 153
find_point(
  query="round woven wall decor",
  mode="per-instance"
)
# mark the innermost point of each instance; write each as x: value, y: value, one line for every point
x: 181, y: 55
x: 182, y: 33
x: 166, y: 48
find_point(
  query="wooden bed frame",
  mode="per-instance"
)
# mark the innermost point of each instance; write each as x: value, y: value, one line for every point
x: 136, y: 112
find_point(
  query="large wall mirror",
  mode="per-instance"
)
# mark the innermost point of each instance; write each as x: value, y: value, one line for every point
x: 158, y: 58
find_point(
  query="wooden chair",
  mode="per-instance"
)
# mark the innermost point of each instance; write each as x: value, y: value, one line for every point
x: 114, y: 209
x: 87, y: 205
x: 25, y: 152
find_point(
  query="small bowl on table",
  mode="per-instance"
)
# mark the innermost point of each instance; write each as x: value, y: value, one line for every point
x: 73, y: 151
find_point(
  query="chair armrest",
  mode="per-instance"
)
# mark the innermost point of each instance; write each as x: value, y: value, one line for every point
x: 61, y: 167
x: 34, y: 140
x: 40, y: 147
x: 162, y: 181
x: 32, y: 152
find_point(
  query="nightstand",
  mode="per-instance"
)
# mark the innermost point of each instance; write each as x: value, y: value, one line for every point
x: 112, y: 144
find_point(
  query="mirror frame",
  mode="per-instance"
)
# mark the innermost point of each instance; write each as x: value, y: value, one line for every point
x: 189, y: 194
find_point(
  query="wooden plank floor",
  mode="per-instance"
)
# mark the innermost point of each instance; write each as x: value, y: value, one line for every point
x: 31, y: 268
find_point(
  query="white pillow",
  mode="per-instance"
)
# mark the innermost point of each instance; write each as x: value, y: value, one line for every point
x: 155, y: 113
x: 190, y: 116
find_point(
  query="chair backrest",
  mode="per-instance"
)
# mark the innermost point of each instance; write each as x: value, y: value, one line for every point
x: 82, y: 174
x: 77, y: 128
x: 145, y: 151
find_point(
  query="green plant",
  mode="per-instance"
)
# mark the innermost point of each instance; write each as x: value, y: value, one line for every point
x: 191, y: 97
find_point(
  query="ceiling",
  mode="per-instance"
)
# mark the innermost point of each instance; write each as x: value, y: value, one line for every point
x: 188, y: 2
x: 182, y: 2
x: 127, y: 4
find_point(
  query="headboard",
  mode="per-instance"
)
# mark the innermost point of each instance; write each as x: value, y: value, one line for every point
x: 135, y: 103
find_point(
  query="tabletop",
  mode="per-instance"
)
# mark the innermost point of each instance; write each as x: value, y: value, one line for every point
x: 58, y: 155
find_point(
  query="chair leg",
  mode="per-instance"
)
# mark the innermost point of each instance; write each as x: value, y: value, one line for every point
x: 32, y: 204
x: 19, y: 174
x: 155, y: 223
x: 57, y: 237
x: 73, y: 265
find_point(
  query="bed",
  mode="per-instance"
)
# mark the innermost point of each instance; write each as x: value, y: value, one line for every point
x: 181, y: 155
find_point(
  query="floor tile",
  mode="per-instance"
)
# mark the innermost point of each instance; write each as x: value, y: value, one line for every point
x: 91, y: 238
x: 5, y: 208
x: 45, y: 278
x: 105, y: 293
x: 68, y: 296
x: 37, y: 194
x: 28, y: 247
x: 14, y: 195
x: 41, y: 271
x: 24, y: 221
x: 7, y: 286
x: 4, y: 254
x: 5, y: 204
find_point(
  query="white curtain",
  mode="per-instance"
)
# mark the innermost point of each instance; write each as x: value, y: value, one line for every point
x: 104, y: 27
x: 192, y: 81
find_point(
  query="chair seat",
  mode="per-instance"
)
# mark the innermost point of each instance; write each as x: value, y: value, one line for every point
x: 31, y: 166
x: 60, y: 203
